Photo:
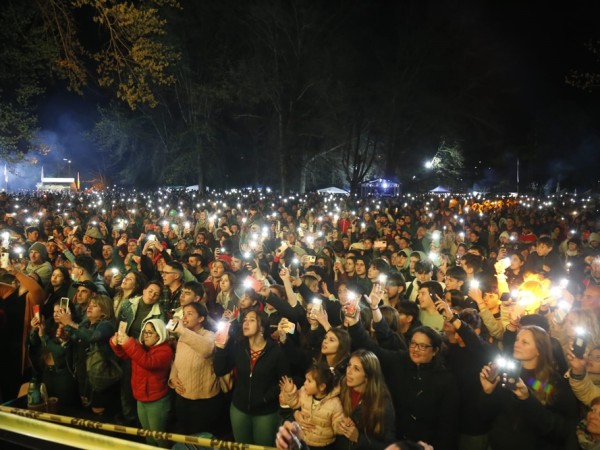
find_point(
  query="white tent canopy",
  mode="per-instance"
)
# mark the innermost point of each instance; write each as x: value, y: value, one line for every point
x: 440, y: 190
x: 332, y: 190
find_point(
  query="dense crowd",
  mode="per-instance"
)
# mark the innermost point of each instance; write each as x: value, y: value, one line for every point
x: 462, y: 322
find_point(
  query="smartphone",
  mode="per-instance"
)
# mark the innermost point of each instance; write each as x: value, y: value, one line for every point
x: 311, y: 259
x: 283, y: 247
x: 351, y: 306
x: 317, y: 307
x: 493, y: 372
x: 64, y: 303
x: 580, y: 343
x: 122, y: 327
x: 509, y: 370
x: 36, y: 311
x: 151, y: 237
x: 290, y: 328
x: 4, y: 260
x: 171, y: 325
x: 252, y: 283
x: 222, y: 332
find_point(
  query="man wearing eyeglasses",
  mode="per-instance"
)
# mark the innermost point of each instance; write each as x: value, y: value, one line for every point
x: 172, y: 276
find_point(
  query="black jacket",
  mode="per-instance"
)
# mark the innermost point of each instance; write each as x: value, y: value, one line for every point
x: 366, y: 442
x: 527, y: 424
x: 425, y: 397
x: 466, y: 363
x: 256, y: 391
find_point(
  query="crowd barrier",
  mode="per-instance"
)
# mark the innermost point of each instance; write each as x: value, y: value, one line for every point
x: 51, y: 428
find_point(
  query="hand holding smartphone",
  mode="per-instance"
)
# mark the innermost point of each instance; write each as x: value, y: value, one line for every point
x: 222, y: 334
x: 580, y: 343
x: 172, y: 325
x: 64, y: 303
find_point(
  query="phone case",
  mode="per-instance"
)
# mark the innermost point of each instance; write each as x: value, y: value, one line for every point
x: 170, y: 326
x: 222, y: 332
x: 579, y: 345
x: 64, y: 303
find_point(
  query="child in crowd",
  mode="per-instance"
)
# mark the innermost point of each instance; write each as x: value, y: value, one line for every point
x: 319, y: 404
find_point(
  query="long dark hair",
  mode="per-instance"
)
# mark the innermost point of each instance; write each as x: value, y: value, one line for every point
x: 66, y: 283
x: 343, y: 351
x: 375, y: 397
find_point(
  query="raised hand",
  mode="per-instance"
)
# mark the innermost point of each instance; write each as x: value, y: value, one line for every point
x: 286, y: 385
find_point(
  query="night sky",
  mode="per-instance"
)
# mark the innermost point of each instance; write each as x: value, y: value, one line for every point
x: 526, y: 49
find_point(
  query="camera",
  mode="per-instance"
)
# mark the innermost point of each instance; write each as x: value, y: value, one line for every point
x: 508, y: 369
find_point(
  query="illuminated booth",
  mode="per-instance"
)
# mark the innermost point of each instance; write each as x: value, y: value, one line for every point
x: 380, y: 187
x: 58, y: 184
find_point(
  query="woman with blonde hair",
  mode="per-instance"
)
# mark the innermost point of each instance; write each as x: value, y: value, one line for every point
x: 96, y: 329
x: 536, y: 405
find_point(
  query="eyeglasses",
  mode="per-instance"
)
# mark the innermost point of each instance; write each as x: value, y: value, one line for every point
x: 419, y: 346
x: 148, y: 333
x: 165, y: 272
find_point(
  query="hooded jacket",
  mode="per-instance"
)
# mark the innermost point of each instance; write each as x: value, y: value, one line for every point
x: 150, y: 367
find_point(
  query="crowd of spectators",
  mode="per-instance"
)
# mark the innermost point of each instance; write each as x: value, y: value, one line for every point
x: 459, y: 322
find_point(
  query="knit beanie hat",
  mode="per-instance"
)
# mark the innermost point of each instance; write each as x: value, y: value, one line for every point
x: 40, y: 248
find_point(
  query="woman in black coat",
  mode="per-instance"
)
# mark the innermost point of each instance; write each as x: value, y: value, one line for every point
x: 424, y: 393
x: 259, y: 364
x: 539, y: 410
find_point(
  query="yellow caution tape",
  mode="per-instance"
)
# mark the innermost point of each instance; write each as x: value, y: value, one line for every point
x: 24, y: 421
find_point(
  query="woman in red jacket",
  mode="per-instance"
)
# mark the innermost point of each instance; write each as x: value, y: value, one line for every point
x: 150, y: 367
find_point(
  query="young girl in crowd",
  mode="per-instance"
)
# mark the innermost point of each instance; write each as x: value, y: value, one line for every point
x: 318, y: 402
